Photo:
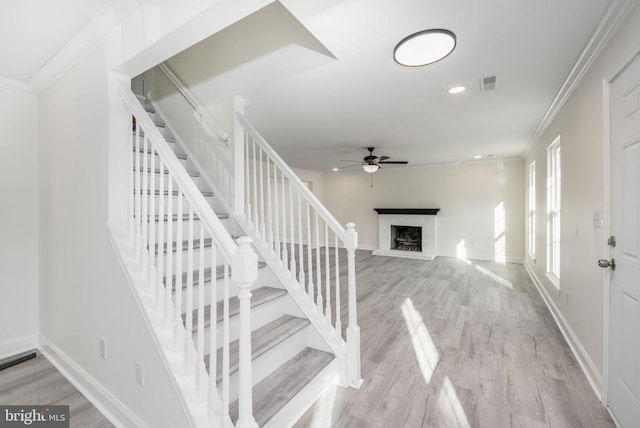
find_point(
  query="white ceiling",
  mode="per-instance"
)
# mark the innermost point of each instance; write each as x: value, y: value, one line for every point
x: 333, y: 108
x: 318, y: 117
x: 33, y: 31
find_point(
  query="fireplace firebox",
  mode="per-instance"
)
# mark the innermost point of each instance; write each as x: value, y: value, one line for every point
x: 406, y: 238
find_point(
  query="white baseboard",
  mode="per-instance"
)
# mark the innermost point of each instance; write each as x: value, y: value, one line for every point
x: 482, y: 257
x: 108, y: 404
x: 19, y: 345
x: 586, y: 363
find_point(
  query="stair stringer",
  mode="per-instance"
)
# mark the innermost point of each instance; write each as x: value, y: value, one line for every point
x: 187, y: 385
x: 336, y: 344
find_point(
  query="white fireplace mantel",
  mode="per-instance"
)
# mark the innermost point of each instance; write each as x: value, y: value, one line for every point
x: 414, y: 217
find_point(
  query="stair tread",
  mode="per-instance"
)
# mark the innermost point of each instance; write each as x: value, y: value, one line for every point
x: 185, y: 217
x: 207, y: 275
x: 262, y: 340
x: 175, y: 193
x: 166, y: 172
x: 259, y: 297
x: 149, y: 152
x: 274, y: 391
x: 168, y: 139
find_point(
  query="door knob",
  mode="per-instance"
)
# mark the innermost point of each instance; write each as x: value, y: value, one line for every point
x: 603, y: 263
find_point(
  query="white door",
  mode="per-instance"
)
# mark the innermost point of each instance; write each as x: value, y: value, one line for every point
x: 624, y: 310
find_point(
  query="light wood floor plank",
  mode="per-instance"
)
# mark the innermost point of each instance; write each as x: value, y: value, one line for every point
x: 499, y: 360
x: 37, y: 382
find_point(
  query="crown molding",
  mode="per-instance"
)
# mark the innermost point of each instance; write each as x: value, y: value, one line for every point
x: 609, y: 25
x: 83, y: 42
x: 15, y: 86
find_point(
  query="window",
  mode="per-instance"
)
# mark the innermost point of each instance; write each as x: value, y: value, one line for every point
x: 532, y: 210
x: 553, y: 212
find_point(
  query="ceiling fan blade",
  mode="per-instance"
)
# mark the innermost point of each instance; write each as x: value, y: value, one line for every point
x: 344, y: 160
x: 382, y: 158
x: 395, y: 162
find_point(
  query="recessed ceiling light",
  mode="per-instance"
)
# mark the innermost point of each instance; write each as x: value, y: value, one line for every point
x: 424, y: 47
x: 477, y: 157
x: 457, y: 89
x: 335, y: 169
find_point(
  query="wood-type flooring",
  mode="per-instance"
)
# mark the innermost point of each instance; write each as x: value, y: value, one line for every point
x: 457, y: 343
x: 37, y: 382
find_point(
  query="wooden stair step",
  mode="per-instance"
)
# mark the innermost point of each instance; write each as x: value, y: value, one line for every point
x: 166, y: 172
x: 259, y: 297
x: 175, y: 193
x: 150, y: 152
x: 185, y: 217
x: 262, y: 340
x: 149, y: 109
x: 207, y: 275
x: 167, y: 138
x: 274, y: 391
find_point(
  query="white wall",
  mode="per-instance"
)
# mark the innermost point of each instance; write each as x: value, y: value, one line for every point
x: 18, y: 222
x: 581, y: 125
x: 469, y: 197
x: 84, y: 294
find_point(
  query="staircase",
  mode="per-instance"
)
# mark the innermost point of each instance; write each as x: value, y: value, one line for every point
x: 239, y: 320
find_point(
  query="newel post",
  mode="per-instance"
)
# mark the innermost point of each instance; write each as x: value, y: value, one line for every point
x: 244, y: 271
x: 353, y: 330
x: 238, y: 156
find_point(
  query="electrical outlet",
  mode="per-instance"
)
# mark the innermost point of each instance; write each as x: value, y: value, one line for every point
x: 139, y: 373
x: 103, y: 348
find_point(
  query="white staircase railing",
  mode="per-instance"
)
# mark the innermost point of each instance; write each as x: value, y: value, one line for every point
x: 171, y: 224
x: 285, y: 216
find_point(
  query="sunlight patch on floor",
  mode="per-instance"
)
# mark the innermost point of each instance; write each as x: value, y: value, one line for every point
x: 423, y: 345
x: 450, y: 406
x: 497, y: 278
x: 323, y: 408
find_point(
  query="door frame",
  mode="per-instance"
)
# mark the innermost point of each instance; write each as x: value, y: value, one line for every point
x: 606, y: 250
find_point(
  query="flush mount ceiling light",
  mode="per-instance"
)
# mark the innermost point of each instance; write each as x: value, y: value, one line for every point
x: 370, y: 168
x: 457, y: 90
x: 424, y: 47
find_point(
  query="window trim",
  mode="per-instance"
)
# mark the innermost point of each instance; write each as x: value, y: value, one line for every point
x: 532, y: 211
x: 554, y: 177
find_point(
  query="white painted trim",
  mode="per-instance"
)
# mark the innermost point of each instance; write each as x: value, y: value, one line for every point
x: 18, y: 345
x: 611, y: 21
x: 107, y: 403
x: 606, y: 159
x: 15, y: 86
x: 481, y: 257
x: 582, y: 357
x: 83, y: 42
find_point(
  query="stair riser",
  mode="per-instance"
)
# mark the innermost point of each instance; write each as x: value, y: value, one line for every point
x: 174, y: 209
x: 156, y: 161
x: 163, y: 132
x: 260, y: 316
x: 185, y: 228
x: 157, y: 179
x: 268, y: 362
x: 196, y: 259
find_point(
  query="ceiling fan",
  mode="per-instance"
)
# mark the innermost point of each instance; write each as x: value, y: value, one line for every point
x: 371, y: 163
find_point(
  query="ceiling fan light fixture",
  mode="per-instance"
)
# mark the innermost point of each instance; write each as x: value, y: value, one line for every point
x: 424, y: 47
x: 370, y: 168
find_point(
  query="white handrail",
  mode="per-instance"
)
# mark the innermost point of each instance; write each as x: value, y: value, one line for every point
x: 294, y: 179
x: 191, y: 99
x: 191, y: 191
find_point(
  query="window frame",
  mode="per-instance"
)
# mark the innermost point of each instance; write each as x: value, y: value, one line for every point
x: 532, y: 211
x: 554, y: 182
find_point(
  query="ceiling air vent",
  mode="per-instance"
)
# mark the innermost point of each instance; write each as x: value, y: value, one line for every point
x: 487, y: 83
